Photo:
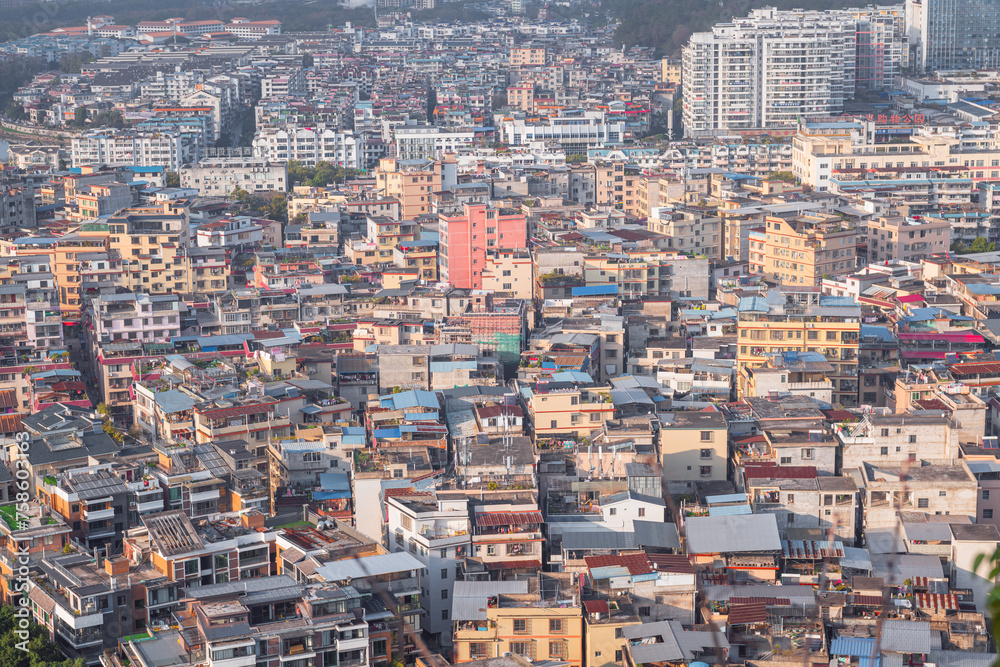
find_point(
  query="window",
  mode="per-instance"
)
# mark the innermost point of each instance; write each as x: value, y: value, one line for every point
x: 707, y: 436
x: 444, y: 594
x: 644, y: 611
x: 791, y: 498
x: 942, y: 493
x: 618, y: 657
x: 913, y: 439
x: 807, y: 454
x: 642, y: 512
x: 444, y: 573
x: 885, y: 433
x: 619, y: 633
x: 379, y: 647
x: 521, y: 648
x: 987, y: 514
x: 556, y: 650
x: 612, y: 511
x: 444, y: 614
x: 477, y: 650
x: 986, y: 494
x: 884, y: 451
x: 521, y: 625
x: 923, y: 503
x: 555, y: 625
x: 706, y: 453
x: 705, y: 471
x: 786, y: 460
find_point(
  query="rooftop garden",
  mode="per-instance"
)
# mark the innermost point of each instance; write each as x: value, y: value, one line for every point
x: 9, y: 515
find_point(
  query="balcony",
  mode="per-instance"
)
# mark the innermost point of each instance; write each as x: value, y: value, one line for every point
x: 101, y: 532
x: 205, y: 496
x: 240, y: 661
x: 150, y: 506
x: 102, y: 514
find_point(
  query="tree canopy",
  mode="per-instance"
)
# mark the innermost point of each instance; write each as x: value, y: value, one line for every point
x: 323, y: 174
x: 41, y: 651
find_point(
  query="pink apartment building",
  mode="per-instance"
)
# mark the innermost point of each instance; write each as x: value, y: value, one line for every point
x: 466, y: 236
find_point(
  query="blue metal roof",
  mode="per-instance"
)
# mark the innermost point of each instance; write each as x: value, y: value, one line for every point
x: 415, y: 398
x: 857, y: 647
x: 726, y: 498
x: 730, y: 510
x: 595, y: 290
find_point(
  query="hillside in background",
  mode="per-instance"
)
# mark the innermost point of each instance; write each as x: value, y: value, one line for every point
x: 667, y: 24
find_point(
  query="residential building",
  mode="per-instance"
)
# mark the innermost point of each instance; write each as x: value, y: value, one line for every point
x: 467, y: 236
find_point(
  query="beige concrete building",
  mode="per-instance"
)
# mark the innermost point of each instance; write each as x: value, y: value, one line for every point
x: 905, y: 238
x: 695, y: 448
x: 409, y: 181
x: 527, y: 55
x: 693, y: 229
x: 511, y: 271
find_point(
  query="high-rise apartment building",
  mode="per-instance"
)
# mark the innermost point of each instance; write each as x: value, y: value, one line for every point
x: 152, y: 242
x: 774, y: 68
x: 954, y: 34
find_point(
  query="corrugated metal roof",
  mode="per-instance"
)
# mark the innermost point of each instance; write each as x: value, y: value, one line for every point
x: 730, y: 510
x: 729, y: 534
x: 812, y: 549
x: 490, y: 519
x: 745, y: 614
x: 906, y: 636
x: 856, y: 647
x: 369, y: 566
x: 727, y: 498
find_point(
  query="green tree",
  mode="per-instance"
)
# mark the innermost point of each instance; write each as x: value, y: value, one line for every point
x: 102, y: 409
x: 109, y: 118
x: 172, y: 179
x: 80, y: 116
x: 982, y: 245
x: 14, y: 110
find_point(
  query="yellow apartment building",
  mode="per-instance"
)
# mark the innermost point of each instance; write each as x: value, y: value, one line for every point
x: 529, y: 618
x: 805, y: 249
x: 805, y: 321
x: 569, y: 411
x: 90, y: 237
x: 527, y: 55
x: 412, y: 182
x: 151, y: 243
x: 603, y: 640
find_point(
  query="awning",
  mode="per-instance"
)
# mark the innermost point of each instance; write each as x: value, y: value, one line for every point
x: 490, y: 519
